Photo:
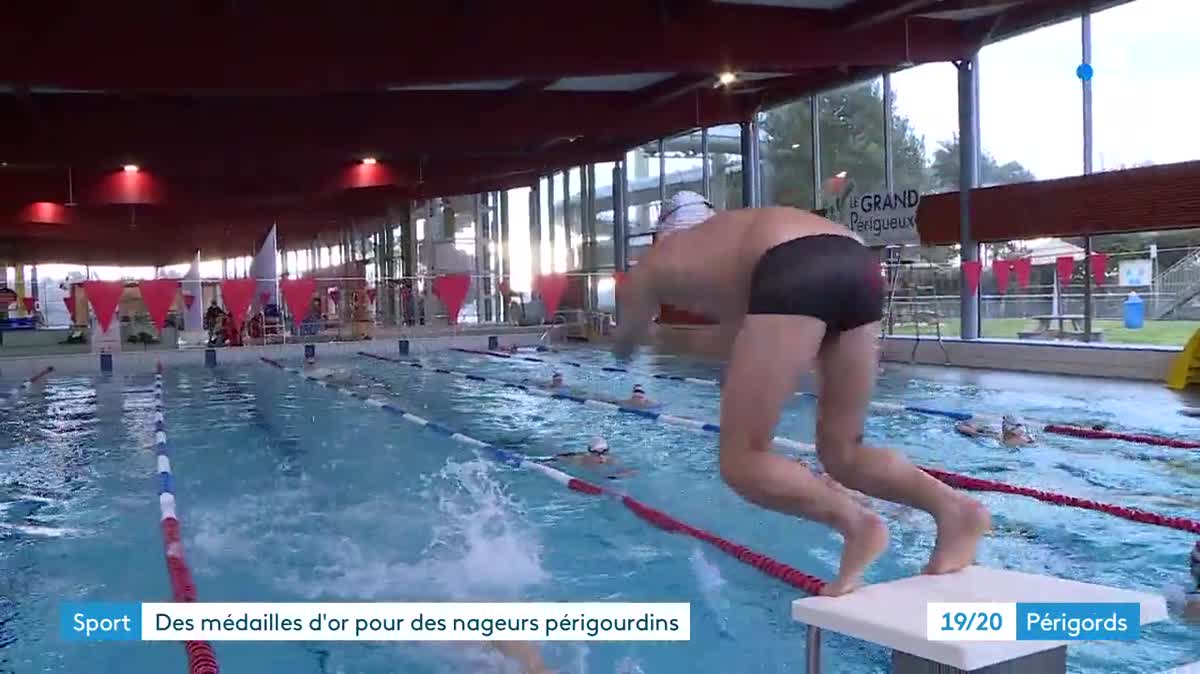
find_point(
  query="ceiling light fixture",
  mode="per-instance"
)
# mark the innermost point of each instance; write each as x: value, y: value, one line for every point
x: 130, y: 168
x: 370, y: 161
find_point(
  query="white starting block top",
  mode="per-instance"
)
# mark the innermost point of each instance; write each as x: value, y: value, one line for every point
x: 893, y: 614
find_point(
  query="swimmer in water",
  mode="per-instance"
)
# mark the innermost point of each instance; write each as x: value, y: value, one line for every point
x: 794, y: 292
x: 596, y: 457
x: 556, y: 382
x: 638, y: 399
x: 1191, y: 599
x: 1012, y: 432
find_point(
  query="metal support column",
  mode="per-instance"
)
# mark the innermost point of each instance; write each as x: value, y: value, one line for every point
x: 620, y: 223
x: 587, y: 231
x: 551, y: 223
x: 750, y: 194
x: 814, y: 110
x: 706, y: 166
x: 1088, y: 309
x: 662, y: 173
x: 503, y: 261
x: 567, y: 224
x: 535, y: 230
x: 968, y: 133
x: 889, y: 178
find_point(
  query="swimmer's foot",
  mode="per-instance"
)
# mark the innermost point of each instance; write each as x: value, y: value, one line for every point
x: 958, y: 532
x: 863, y: 543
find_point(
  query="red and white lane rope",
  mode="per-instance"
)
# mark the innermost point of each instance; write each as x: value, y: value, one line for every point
x: 767, y: 565
x: 201, y: 659
x: 953, y: 479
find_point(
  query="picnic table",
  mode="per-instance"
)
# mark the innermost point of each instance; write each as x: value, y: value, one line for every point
x: 1046, y: 330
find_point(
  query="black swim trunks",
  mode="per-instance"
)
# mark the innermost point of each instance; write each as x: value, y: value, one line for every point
x: 832, y: 278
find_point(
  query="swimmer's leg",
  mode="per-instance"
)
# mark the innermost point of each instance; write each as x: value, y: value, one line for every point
x: 769, y: 355
x: 847, y: 367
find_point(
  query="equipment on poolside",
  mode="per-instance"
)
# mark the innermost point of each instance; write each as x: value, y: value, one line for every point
x: 912, y: 309
x: 1185, y: 368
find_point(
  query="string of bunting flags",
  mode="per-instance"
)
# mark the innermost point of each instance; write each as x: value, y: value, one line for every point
x: 1020, y: 269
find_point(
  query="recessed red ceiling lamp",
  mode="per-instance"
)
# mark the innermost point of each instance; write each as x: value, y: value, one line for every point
x: 370, y: 161
x: 130, y: 168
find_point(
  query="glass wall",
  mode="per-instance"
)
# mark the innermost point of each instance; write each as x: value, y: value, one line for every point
x: 725, y: 166
x: 786, y: 149
x: 852, y: 123
x: 684, y: 163
x: 1142, y: 54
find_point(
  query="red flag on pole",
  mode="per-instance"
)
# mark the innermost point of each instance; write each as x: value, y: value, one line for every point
x: 237, y: 294
x: 1065, y: 266
x: 1000, y: 269
x: 452, y: 289
x: 104, y: 296
x: 158, y: 296
x: 505, y: 288
x: 618, y: 277
x: 1099, y: 262
x: 189, y: 300
x: 971, y: 270
x: 29, y: 303
x: 1023, y: 267
x: 552, y: 287
x: 371, y: 292
x: 298, y: 294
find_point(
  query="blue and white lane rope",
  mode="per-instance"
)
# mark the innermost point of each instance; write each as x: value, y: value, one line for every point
x: 668, y: 419
x: 953, y: 479
x: 771, y: 567
x: 877, y: 405
x: 201, y: 659
x: 502, y: 455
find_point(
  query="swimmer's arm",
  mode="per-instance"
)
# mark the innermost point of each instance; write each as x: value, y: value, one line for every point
x: 638, y: 306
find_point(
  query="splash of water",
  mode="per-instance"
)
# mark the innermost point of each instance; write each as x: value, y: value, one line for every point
x: 710, y: 582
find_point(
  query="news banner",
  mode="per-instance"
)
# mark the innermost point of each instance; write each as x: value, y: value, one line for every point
x: 600, y: 621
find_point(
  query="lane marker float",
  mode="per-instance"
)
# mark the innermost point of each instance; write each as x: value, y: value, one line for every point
x: 201, y: 659
x: 952, y: 479
x: 772, y: 567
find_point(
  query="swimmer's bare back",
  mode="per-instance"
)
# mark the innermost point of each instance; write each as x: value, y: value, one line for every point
x: 794, y: 290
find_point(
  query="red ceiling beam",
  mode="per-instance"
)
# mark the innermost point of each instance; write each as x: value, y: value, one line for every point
x: 348, y: 47
x: 865, y: 13
x: 85, y: 130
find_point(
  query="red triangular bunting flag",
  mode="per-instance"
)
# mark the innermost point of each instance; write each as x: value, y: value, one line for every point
x: 618, y: 277
x: 104, y: 296
x: 552, y: 287
x: 1023, y: 267
x: 452, y: 290
x: 298, y: 294
x: 1000, y: 269
x: 1065, y: 266
x: 158, y: 296
x: 189, y: 300
x: 237, y: 294
x: 970, y: 271
x: 505, y: 289
x: 29, y: 303
x: 371, y: 295
x: 264, y: 298
x: 69, y: 300
x: 1099, y: 262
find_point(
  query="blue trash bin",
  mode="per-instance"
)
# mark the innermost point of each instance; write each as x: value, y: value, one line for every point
x: 1135, y: 312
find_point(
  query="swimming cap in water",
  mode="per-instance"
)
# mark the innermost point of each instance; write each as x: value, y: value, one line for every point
x: 683, y: 210
x: 598, y: 445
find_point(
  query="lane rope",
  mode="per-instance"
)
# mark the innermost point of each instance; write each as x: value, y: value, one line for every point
x: 952, y: 479
x: 1060, y: 429
x: 772, y: 567
x: 200, y: 656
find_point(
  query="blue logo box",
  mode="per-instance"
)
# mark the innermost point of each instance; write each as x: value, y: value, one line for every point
x: 1078, y: 622
x: 100, y: 621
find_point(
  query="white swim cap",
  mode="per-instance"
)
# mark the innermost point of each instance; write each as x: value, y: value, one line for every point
x: 683, y: 210
x: 598, y: 445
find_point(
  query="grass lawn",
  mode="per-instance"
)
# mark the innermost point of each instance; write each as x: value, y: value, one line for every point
x: 1162, y: 333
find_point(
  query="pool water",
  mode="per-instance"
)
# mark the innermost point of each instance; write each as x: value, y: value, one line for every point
x: 290, y: 492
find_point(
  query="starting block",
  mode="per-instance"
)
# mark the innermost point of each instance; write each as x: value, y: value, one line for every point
x: 893, y: 614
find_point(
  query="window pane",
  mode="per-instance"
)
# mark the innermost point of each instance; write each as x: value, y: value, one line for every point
x: 642, y: 165
x: 851, y: 120
x: 925, y: 128
x: 787, y: 155
x: 725, y: 166
x: 685, y: 166
x: 1145, y: 57
x: 1031, y: 102
x: 1159, y: 270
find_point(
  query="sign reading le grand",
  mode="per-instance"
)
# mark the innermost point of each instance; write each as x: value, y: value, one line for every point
x: 885, y: 218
